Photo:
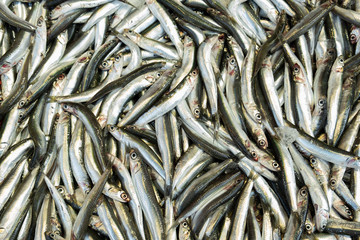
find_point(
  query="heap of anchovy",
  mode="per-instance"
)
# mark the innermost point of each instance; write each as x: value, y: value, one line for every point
x: 179, y: 119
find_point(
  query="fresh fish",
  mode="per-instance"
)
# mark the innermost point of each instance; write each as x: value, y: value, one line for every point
x: 179, y: 119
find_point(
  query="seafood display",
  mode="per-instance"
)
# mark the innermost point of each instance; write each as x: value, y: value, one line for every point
x: 179, y: 119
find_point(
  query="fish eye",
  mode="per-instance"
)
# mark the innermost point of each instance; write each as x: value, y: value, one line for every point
x: 308, y: 227
x: 61, y: 190
x: 117, y: 58
x: 352, y: 37
x: 341, y: 60
x: 61, y: 76
x: 332, y: 182
x: 296, y: 69
x: 124, y: 196
x: 197, y: 112
x: 323, y: 226
x: 313, y: 161
x: 194, y: 72
x: 238, y: 180
x: 184, y: 224
x: 21, y: 103
x: 87, y: 192
x: 52, y: 235
x: 303, y: 192
x: 275, y: 165
x: 331, y: 51
x: 133, y: 155
x: 348, y: 212
x: 262, y: 142
x: 112, y: 128
x: 21, y: 115
x: 158, y: 74
x: 232, y: 61
x: 65, y: 106
x: 104, y: 64
x: 321, y: 102
x: 258, y: 116
x: 253, y: 154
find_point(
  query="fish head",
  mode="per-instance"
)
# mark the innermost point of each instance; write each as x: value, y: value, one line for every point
x: 309, y: 226
x: 354, y: 35
x: 102, y: 120
x: 257, y: 116
x: 302, y: 197
x: 24, y: 101
x: 184, y: 230
x: 58, y: 83
x: 61, y: 189
x: 118, y: 194
x: 348, y: 83
x: 40, y: 22
x: 106, y: 65
x: 298, y: 74
x: 353, y: 162
x: 232, y: 66
x: 322, y: 103
x: 55, y: 226
x: 313, y: 161
x: 111, y: 128
x: 275, y: 166
x: 339, y: 64
x: 261, y: 139
x: 236, y: 180
x: 197, y: 111
x: 134, y: 36
x: 135, y: 164
x: 342, y: 209
x: 321, y: 217
x: 5, y: 67
x: 188, y: 42
x: 69, y: 108
x: 253, y: 154
x: 193, y: 76
x: 118, y: 57
x: 84, y: 58
x: 51, y: 235
x: 268, y: 160
x: 63, y: 37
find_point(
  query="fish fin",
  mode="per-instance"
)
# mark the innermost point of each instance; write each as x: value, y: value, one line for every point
x: 216, y: 121
x: 52, y: 99
x: 174, y: 225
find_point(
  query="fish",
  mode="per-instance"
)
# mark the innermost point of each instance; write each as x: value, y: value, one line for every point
x: 179, y: 119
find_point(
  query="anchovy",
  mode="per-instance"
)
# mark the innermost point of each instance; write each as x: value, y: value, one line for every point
x: 179, y: 119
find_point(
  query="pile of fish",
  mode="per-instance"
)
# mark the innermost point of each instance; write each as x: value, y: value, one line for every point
x: 179, y: 119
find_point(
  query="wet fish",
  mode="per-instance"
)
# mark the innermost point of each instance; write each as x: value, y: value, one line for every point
x: 179, y: 119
